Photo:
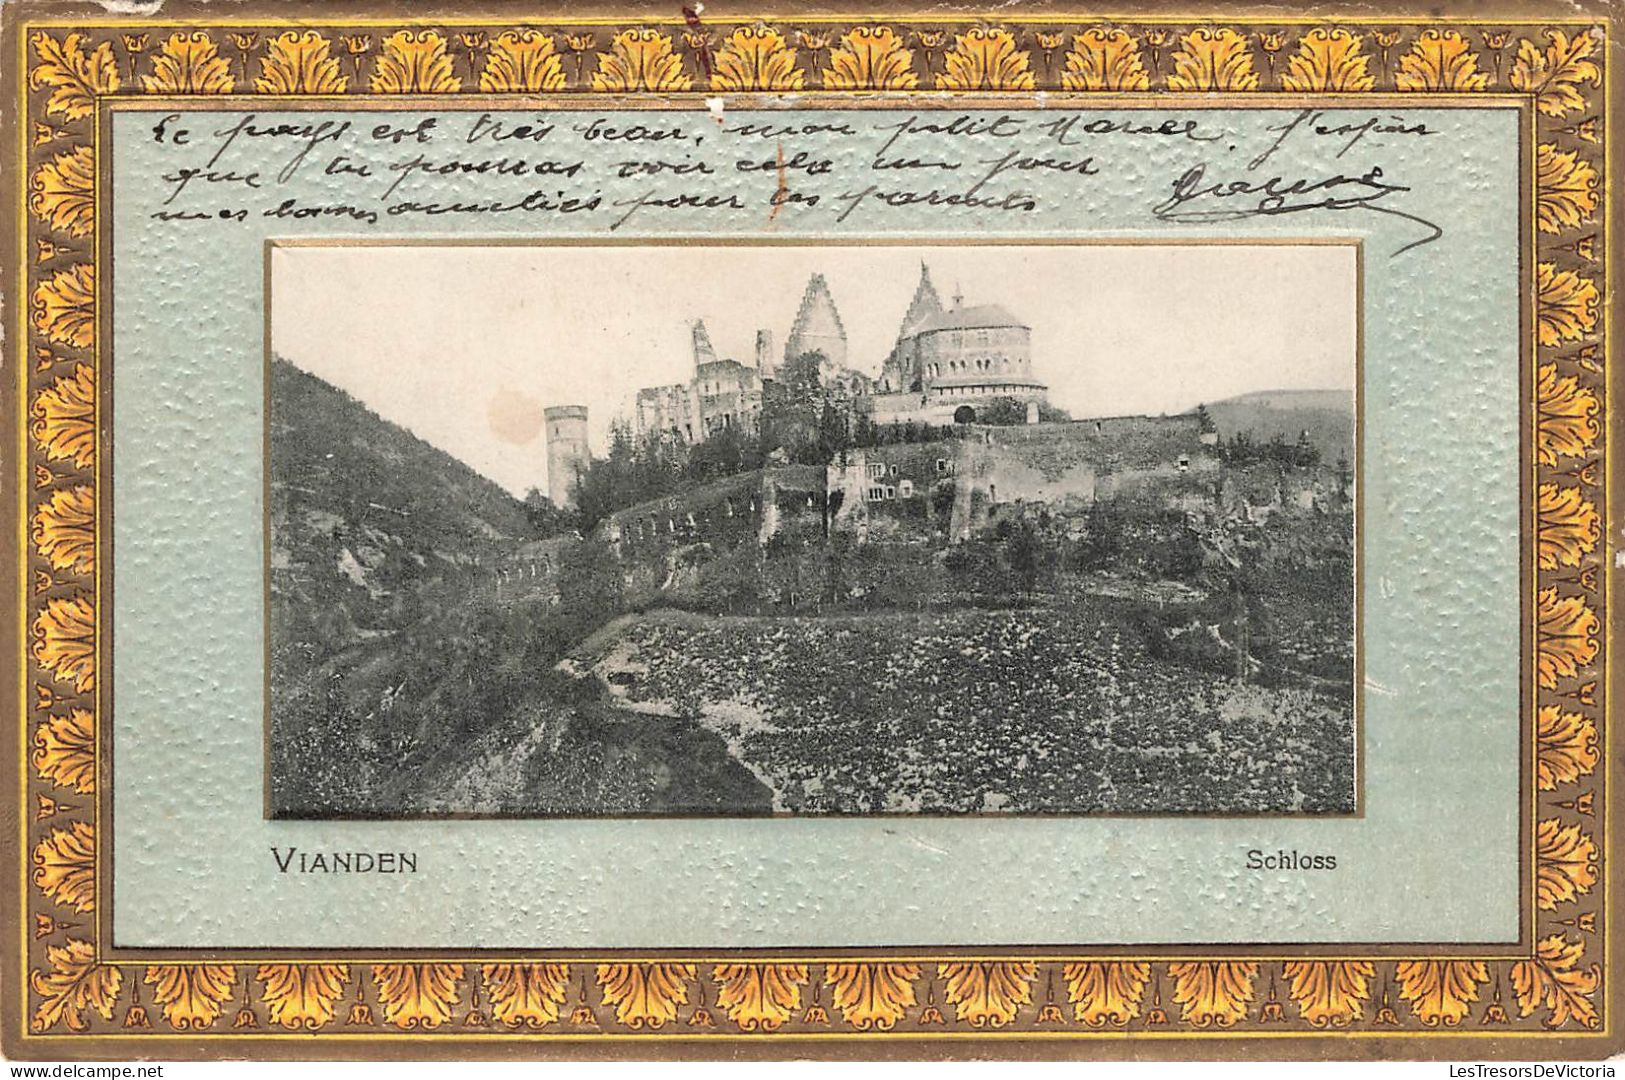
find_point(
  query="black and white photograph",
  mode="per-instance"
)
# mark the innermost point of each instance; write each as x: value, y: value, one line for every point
x: 667, y: 528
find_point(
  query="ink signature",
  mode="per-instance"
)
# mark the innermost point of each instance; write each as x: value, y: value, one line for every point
x: 1196, y: 199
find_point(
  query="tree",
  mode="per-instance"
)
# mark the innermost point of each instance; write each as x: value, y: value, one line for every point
x: 589, y: 580
x: 725, y: 453
x: 1240, y: 450
x: 1305, y: 454
x: 1002, y: 411
x: 792, y: 408
x: 864, y: 431
x: 1028, y: 557
x: 1204, y: 420
x: 545, y: 518
x: 833, y: 435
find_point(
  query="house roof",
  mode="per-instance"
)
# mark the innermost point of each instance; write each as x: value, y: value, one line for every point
x: 981, y: 317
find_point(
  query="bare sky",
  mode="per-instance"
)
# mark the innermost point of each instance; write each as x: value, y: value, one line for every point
x: 465, y: 346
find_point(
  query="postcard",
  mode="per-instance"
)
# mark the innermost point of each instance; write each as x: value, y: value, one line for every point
x: 707, y: 532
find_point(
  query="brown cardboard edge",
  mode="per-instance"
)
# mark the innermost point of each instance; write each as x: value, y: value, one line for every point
x: 16, y: 1044
x: 723, y: 12
x: 12, y: 357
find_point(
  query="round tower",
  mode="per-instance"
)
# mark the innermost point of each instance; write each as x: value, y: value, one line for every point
x: 566, y: 451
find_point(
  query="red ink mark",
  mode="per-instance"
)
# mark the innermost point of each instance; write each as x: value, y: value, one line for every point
x: 784, y: 189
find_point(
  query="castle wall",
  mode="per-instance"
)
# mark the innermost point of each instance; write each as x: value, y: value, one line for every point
x: 672, y: 410
x: 892, y: 491
x: 750, y: 507
x: 1112, y: 444
x: 729, y: 396
x: 531, y: 571
x: 1070, y: 465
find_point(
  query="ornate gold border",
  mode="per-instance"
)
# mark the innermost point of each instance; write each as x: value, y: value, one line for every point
x: 67, y: 69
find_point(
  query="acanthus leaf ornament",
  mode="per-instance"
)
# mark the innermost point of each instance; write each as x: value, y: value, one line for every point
x: 1213, y: 993
x: 62, y: 192
x: 64, y: 307
x: 300, y: 63
x: 522, y: 61
x: 870, y: 58
x: 872, y: 996
x: 1104, y: 60
x: 64, y: 415
x: 759, y: 997
x: 640, y: 59
x: 1440, y: 992
x: 65, y: 750
x: 526, y: 995
x: 1565, y: 863
x: 65, y: 640
x: 1557, y: 979
x: 414, y: 62
x: 1213, y: 59
x: 1566, y: 747
x: 64, y: 529
x: 1565, y: 636
x: 1565, y: 189
x: 76, y: 73
x: 65, y: 866
x: 645, y: 995
x: 191, y: 995
x: 75, y: 984
x: 1566, y: 415
x: 301, y: 997
x: 988, y: 993
x: 189, y: 63
x: 1106, y: 992
x: 1556, y: 74
x: 1568, y: 526
x: 1440, y: 60
x: 985, y: 58
x: 417, y: 997
x: 756, y: 58
x: 1330, y: 993
x: 1328, y: 60
x: 1565, y: 305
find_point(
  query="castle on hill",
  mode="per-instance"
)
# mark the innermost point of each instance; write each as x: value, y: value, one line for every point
x: 947, y: 362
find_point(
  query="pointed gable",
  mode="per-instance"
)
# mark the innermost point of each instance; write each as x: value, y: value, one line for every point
x: 925, y: 306
x: 818, y: 326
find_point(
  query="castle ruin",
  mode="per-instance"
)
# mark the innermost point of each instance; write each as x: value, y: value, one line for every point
x: 947, y: 363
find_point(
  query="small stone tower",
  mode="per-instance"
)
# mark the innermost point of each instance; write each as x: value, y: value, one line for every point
x: 764, y: 354
x: 566, y: 451
x: 703, y: 352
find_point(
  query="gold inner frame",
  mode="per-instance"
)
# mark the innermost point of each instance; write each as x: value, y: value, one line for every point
x: 1205, y: 956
